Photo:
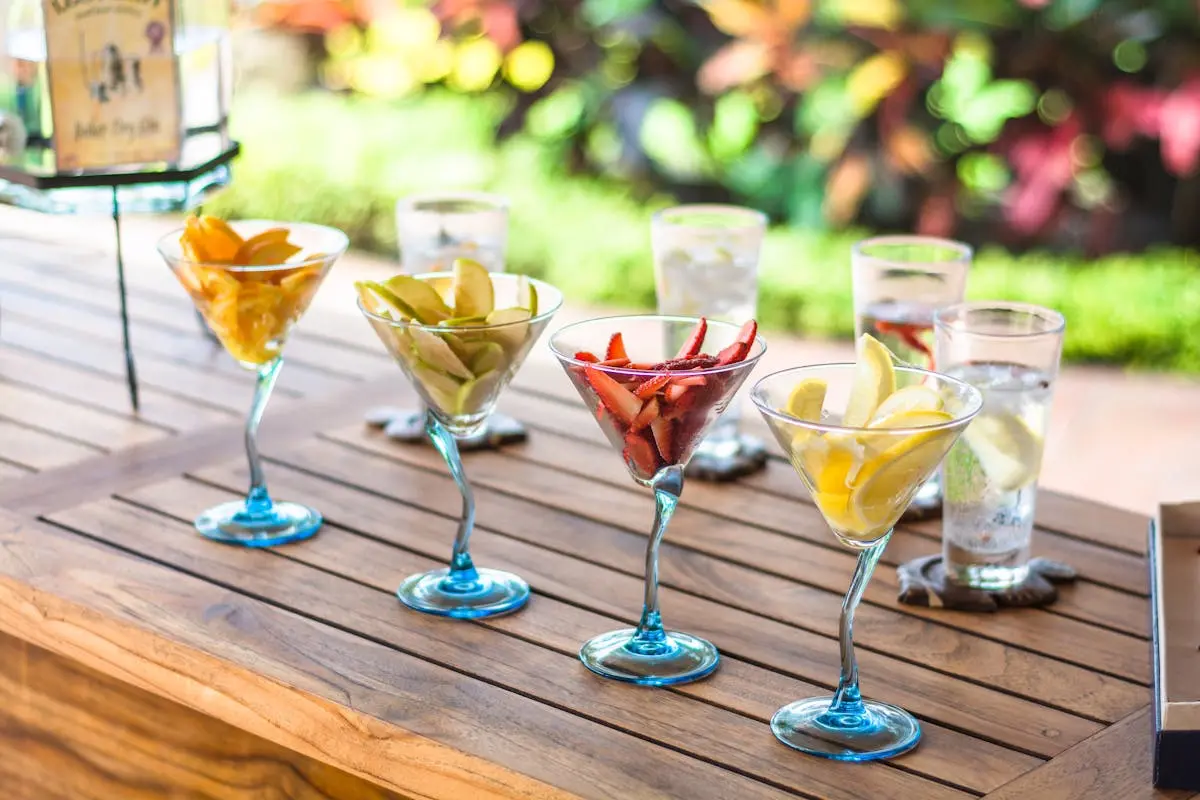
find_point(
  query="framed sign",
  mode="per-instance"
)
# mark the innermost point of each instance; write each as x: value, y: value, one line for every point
x: 114, y: 82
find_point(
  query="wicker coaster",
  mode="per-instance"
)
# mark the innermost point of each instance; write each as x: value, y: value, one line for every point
x: 923, y: 583
x: 750, y: 458
x: 408, y: 425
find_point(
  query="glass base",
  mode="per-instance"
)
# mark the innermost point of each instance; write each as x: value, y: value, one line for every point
x: 727, y: 458
x: 882, y: 731
x: 987, y: 577
x: 675, y: 658
x: 494, y: 592
x: 278, y: 523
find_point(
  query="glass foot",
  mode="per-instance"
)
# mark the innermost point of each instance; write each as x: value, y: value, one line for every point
x: 882, y: 731
x: 278, y: 523
x: 494, y: 592
x: 727, y: 459
x: 676, y: 658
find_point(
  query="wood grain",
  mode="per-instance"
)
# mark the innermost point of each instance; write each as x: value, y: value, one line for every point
x: 735, y: 586
x: 952, y: 757
x: 538, y: 543
x: 1115, y: 763
x: 701, y: 730
x: 71, y: 733
x: 402, y: 722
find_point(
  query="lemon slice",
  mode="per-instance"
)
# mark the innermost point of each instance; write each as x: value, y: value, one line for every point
x: 1009, y: 451
x: 916, y: 418
x: 807, y: 399
x: 910, y: 398
x: 874, y: 381
x: 886, y: 483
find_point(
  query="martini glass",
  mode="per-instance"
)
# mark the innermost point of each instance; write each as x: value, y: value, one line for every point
x: 251, y: 310
x: 862, y: 480
x: 457, y: 407
x: 655, y: 453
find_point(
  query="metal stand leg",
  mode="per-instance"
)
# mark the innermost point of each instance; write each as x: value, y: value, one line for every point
x: 130, y: 367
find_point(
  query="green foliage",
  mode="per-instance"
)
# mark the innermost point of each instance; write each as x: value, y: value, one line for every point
x: 591, y: 237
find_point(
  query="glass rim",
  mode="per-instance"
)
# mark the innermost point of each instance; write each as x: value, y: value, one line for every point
x: 753, y: 218
x: 408, y: 324
x: 1057, y: 322
x: 825, y: 427
x: 492, y: 202
x: 750, y: 360
x: 171, y: 239
x: 962, y: 251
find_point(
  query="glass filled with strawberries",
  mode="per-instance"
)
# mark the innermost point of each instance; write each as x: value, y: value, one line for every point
x: 655, y: 406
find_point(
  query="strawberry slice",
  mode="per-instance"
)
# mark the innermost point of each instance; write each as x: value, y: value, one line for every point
x: 641, y: 366
x: 584, y: 355
x: 616, y: 348
x: 678, y: 401
x: 620, y: 402
x: 694, y: 342
x: 690, y: 380
x: 741, y: 346
x: 615, y: 362
x: 639, y: 455
x: 651, y: 387
x: 661, y: 429
x: 648, y: 414
x: 675, y: 392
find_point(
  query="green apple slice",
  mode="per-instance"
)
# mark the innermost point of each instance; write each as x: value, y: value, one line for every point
x: 473, y: 293
x: 488, y: 357
x: 438, y: 354
x: 466, y: 322
x: 473, y: 396
x: 427, y: 305
x: 527, y: 295
x: 379, y: 299
x: 440, y: 389
x: 512, y: 336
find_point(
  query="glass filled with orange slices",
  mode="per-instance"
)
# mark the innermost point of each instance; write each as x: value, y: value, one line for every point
x: 252, y: 281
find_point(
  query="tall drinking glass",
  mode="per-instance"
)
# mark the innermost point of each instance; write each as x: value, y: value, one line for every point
x: 434, y: 229
x: 899, y: 281
x: 706, y: 265
x: 1010, y: 352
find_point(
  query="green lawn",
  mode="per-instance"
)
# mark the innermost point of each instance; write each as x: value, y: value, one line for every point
x: 344, y: 162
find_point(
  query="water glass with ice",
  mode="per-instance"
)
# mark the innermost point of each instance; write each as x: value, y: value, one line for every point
x: 899, y: 281
x: 706, y: 264
x: 1010, y: 352
x: 435, y: 228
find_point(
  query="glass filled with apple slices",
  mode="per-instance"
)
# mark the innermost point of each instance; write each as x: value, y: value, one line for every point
x: 459, y: 337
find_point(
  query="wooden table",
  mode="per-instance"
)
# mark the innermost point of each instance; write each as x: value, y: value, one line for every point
x: 140, y: 659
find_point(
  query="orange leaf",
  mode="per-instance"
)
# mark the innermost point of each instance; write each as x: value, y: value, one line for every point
x: 740, y: 17
x: 735, y: 64
x: 844, y: 190
x: 793, y: 13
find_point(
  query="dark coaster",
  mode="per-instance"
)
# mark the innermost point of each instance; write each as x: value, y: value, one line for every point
x: 751, y: 456
x: 923, y: 583
x: 408, y: 425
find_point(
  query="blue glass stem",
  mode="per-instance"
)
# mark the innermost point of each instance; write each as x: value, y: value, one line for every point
x: 462, y: 577
x: 258, y: 500
x: 847, y: 701
x: 650, y: 639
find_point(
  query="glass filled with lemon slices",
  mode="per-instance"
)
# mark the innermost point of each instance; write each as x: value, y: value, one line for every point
x: 863, y: 438
x: 1010, y: 352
